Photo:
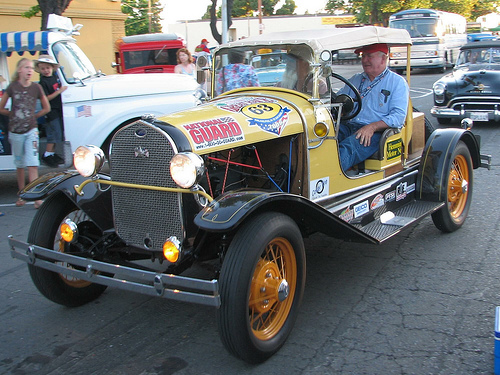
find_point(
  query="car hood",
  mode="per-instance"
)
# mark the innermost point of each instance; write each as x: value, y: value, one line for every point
x: 474, y: 80
x: 123, y: 85
x: 232, y: 121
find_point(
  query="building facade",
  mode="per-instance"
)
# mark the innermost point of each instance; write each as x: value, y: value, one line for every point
x: 102, y: 20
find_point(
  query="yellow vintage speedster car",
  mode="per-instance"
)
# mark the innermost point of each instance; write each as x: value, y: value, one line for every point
x: 236, y: 183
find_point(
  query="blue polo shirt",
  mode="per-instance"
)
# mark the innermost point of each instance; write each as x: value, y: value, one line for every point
x: 387, y: 100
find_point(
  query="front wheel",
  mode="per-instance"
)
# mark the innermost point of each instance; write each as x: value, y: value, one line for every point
x: 44, y: 231
x: 458, y: 191
x: 261, y: 286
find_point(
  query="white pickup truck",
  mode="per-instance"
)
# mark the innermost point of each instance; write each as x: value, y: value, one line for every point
x: 95, y: 105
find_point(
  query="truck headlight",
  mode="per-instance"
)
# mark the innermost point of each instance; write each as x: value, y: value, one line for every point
x: 88, y: 160
x: 186, y: 168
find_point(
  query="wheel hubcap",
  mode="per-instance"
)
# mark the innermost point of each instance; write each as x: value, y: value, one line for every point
x: 272, y: 289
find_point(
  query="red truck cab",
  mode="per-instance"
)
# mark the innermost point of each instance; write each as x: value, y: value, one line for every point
x: 148, y: 53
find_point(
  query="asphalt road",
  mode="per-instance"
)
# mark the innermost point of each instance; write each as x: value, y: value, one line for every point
x: 421, y: 303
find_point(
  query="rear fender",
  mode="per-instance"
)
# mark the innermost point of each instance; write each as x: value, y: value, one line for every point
x: 95, y: 201
x: 432, y: 179
x: 230, y: 210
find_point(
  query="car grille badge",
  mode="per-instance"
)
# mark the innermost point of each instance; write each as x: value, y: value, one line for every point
x: 141, y: 152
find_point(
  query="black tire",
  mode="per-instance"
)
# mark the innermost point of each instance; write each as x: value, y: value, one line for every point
x: 264, y: 254
x: 44, y: 232
x: 458, y: 191
x: 444, y: 121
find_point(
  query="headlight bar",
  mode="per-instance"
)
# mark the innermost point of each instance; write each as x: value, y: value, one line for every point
x: 79, y: 188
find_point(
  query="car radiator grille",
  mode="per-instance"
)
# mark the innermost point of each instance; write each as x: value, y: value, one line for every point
x: 140, y: 154
x: 475, y: 104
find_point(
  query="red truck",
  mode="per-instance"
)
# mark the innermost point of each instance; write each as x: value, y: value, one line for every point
x: 147, y: 53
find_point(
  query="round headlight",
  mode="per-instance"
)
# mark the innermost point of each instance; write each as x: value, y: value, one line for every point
x: 186, y: 168
x: 439, y: 88
x: 88, y: 160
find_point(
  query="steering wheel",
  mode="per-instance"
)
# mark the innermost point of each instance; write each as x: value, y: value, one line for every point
x: 346, y: 100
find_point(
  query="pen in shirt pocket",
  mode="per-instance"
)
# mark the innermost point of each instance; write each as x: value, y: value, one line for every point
x: 386, y: 93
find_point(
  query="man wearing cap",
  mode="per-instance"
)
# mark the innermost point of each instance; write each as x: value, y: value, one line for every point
x: 202, y: 47
x: 384, y: 98
x: 47, y: 66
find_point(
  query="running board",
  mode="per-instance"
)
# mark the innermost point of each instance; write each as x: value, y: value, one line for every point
x: 392, y: 222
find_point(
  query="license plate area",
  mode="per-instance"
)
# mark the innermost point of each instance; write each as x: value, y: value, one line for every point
x: 479, y: 116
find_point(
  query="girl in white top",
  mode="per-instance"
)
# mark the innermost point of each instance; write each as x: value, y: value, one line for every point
x: 185, y: 63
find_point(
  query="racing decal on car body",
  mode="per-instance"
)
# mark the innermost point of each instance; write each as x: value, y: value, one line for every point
x: 361, y: 208
x: 377, y: 202
x: 347, y: 214
x: 214, y: 132
x: 319, y: 188
x: 394, y: 149
x: 235, y: 105
x: 390, y: 196
x: 403, y: 189
x: 270, y: 117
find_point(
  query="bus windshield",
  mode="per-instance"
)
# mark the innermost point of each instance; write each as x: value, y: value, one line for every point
x: 418, y: 28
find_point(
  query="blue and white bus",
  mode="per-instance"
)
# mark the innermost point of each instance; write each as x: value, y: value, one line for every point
x: 436, y: 36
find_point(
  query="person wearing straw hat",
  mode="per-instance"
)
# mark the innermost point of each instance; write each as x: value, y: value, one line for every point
x: 47, y: 67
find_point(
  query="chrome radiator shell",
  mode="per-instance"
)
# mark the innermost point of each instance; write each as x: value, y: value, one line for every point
x: 140, y: 153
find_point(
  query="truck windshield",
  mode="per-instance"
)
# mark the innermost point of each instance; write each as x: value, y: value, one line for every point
x: 74, y: 63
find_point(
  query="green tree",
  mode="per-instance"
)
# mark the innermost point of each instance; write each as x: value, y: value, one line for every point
x: 287, y: 8
x: 378, y: 11
x: 139, y: 20
x: 46, y: 7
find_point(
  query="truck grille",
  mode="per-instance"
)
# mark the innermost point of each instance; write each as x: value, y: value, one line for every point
x: 140, y: 154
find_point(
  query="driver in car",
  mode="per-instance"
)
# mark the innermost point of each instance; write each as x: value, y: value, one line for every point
x: 384, y: 103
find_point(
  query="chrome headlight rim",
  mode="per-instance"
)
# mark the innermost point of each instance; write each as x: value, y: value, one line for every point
x: 439, y: 88
x: 186, y: 168
x: 88, y: 160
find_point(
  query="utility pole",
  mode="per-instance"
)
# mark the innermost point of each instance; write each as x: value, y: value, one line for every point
x: 224, y: 21
x: 149, y: 15
x: 260, y: 16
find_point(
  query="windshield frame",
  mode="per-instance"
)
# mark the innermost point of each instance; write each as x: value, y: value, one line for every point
x: 72, y: 61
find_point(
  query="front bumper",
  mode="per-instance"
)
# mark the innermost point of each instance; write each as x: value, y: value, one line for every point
x: 479, y: 115
x: 180, y: 288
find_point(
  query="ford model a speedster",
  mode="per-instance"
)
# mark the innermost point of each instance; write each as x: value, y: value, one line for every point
x: 237, y: 183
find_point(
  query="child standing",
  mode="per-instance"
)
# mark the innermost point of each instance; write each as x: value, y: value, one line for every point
x: 47, y: 66
x: 23, y: 126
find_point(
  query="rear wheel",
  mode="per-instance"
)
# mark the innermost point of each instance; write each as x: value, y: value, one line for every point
x: 261, y: 286
x: 44, y: 231
x: 458, y: 191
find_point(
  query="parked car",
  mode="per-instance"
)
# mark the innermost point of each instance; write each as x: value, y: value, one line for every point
x: 472, y: 90
x: 269, y: 67
x: 234, y: 185
x: 95, y: 105
x: 479, y: 37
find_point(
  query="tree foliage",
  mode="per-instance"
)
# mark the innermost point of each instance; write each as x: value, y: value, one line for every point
x: 138, y: 21
x: 378, y: 11
x: 46, y: 7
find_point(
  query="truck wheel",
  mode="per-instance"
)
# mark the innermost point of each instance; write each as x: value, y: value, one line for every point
x: 261, y: 286
x: 458, y: 191
x: 44, y: 231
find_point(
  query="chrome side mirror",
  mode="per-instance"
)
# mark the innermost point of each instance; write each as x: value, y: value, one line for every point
x: 467, y: 123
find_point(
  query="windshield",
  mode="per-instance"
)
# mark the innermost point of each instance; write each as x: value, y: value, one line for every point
x: 136, y: 59
x: 287, y: 66
x: 73, y: 60
x: 417, y: 28
x: 479, y: 56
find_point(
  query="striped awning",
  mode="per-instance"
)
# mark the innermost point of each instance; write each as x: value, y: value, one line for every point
x: 31, y: 41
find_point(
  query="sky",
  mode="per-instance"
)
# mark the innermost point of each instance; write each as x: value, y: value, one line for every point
x: 174, y: 10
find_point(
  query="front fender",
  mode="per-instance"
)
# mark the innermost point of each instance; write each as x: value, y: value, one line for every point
x: 432, y: 179
x: 95, y: 202
x: 228, y: 211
